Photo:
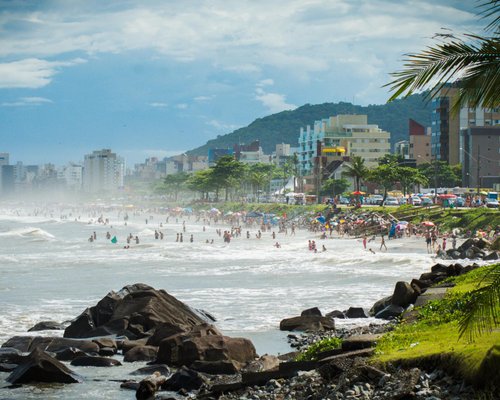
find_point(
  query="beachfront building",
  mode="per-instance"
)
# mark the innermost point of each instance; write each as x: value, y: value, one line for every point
x: 103, y: 171
x: 446, y: 124
x: 420, y: 143
x: 479, y: 156
x: 341, y: 137
x: 72, y: 176
x: 402, y: 148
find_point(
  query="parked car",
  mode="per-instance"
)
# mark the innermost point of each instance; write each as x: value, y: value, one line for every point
x: 416, y: 201
x: 491, y: 203
x: 425, y: 201
x: 459, y: 202
x: 376, y: 199
x: 391, y: 201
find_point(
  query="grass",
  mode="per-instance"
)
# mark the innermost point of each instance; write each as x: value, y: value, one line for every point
x: 434, y: 337
x: 313, y: 350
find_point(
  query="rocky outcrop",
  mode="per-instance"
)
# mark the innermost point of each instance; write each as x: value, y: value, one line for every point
x: 136, y: 311
x: 307, y: 323
x: 38, y: 366
x: 47, y: 325
x: 200, y: 344
x: 475, y: 248
x: 186, y: 379
x: 50, y: 344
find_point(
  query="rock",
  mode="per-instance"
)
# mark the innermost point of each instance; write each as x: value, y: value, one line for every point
x: 130, y: 385
x: 356, y: 312
x: 380, y: 305
x: 403, y: 295
x: 149, y: 369
x: 184, y: 378
x: 184, y: 349
x: 126, y: 345
x: 38, y: 366
x: 106, y: 342
x: 141, y: 353
x: 406, y: 381
x: 390, y: 312
x: 311, y: 311
x: 135, y: 312
x: 215, y: 367
x: 336, y: 314
x: 88, y: 361
x: 264, y: 363
x: 10, y: 355
x: 492, y: 256
x: 107, y: 351
x: 69, y: 354
x: 307, y: 323
x: 358, y: 342
x: 149, y: 386
x: 429, y: 295
x: 47, y: 325
x: 437, y: 268
x: 50, y: 344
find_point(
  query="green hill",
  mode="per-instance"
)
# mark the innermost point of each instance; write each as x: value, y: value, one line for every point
x: 284, y: 127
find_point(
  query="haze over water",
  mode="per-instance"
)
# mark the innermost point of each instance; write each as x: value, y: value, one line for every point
x: 49, y: 271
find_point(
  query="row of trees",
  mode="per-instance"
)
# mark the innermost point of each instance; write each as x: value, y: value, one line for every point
x: 391, y: 170
x: 229, y: 176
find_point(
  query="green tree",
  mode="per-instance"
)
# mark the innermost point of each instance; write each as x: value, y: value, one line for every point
x: 409, y: 177
x: 441, y: 174
x: 175, y: 183
x: 357, y: 170
x: 393, y: 159
x: 384, y: 175
x: 259, y: 175
x: 202, y: 181
x: 473, y: 60
x: 227, y: 173
x: 333, y: 187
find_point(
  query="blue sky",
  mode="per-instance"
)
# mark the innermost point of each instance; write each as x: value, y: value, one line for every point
x: 155, y: 78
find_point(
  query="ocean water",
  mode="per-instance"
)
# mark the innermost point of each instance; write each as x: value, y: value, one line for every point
x: 50, y: 271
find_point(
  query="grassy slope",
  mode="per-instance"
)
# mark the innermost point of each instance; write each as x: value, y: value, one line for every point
x: 434, y: 337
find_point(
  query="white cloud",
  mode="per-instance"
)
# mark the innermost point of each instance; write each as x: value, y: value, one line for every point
x: 204, y: 98
x: 265, y: 82
x: 274, y: 102
x: 181, y: 106
x: 31, y: 73
x: 158, y: 104
x: 221, y: 126
x: 27, y: 101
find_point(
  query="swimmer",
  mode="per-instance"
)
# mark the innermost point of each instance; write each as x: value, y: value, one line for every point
x: 371, y: 251
x: 323, y: 248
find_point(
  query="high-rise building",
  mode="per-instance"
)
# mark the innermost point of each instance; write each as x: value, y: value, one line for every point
x: 4, y: 159
x: 402, y: 148
x: 420, y: 143
x: 479, y: 155
x: 342, y: 136
x: 103, y: 171
x: 447, y: 124
x: 71, y: 175
x: 6, y: 175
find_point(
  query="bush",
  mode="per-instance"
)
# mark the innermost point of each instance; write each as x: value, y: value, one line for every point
x: 311, y: 353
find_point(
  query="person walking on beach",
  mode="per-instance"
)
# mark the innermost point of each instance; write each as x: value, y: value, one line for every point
x: 428, y: 240
x: 365, y: 238
x: 382, y: 243
x: 444, y: 244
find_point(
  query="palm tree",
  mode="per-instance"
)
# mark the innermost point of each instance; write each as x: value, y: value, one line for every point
x: 471, y: 60
x: 483, y: 310
x: 357, y: 170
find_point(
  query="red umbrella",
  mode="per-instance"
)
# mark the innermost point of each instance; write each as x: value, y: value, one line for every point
x: 357, y: 193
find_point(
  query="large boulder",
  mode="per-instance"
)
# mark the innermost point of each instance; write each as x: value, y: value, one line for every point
x: 51, y: 344
x: 47, y: 325
x: 356, y: 312
x: 403, y: 295
x: 184, y: 378
x: 38, y: 366
x: 141, y: 353
x: 184, y: 349
x: 390, y: 312
x: 87, y: 361
x: 380, y: 305
x: 136, y: 311
x: 307, y: 323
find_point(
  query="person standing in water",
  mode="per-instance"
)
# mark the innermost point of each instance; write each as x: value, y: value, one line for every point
x: 382, y: 243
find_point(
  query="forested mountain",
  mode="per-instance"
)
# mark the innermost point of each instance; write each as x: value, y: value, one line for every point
x: 284, y: 127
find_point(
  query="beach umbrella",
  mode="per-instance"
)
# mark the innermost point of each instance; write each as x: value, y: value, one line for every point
x: 358, y: 193
x: 403, y: 223
x: 428, y: 223
x: 321, y: 219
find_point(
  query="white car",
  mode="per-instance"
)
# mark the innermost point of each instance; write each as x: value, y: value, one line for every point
x: 391, y: 201
x: 416, y: 201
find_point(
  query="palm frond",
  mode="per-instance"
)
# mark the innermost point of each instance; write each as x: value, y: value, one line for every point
x: 456, y: 59
x: 488, y: 9
x: 483, y: 310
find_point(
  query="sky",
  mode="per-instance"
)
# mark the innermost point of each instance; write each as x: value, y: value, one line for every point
x: 155, y: 78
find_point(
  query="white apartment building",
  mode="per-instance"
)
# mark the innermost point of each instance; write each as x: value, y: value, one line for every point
x: 103, y: 171
x: 72, y: 175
